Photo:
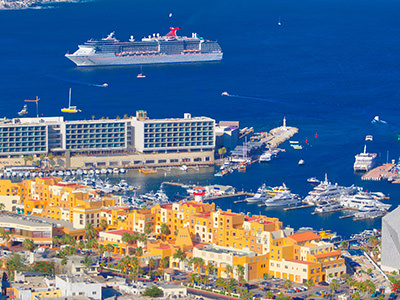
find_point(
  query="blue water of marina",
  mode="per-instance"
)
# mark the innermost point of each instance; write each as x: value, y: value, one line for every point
x: 329, y: 69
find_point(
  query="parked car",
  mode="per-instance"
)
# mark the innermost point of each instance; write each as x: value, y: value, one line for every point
x: 323, y: 283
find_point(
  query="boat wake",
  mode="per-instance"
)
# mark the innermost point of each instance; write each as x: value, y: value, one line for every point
x: 378, y: 120
x: 250, y: 98
x: 104, y: 85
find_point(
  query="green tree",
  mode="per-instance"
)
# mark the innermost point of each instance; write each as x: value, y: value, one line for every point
x: 14, y: 263
x: 103, y: 224
x: 164, y: 230
x: 87, y: 261
x: 179, y: 255
x: 64, y: 261
x: 147, y: 229
x: 334, y: 286
x: 228, y: 270
x: 164, y: 262
x: 151, y: 264
x: 231, y: 285
x: 127, y: 238
x: 81, y: 245
x: 210, y: 269
x: 220, y: 282
x: 287, y: 284
x: 345, y: 244
x: 239, y: 271
x: 269, y: 295
x: 221, y: 152
x: 309, y: 284
x: 90, y: 232
x: 153, y: 292
x: 28, y: 245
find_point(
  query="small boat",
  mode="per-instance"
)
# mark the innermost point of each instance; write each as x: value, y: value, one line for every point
x: 266, y: 156
x: 105, y: 85
x: 369, y: 138
x: 70, y: 109
x: 184, y: 168
x: 313, y: 180
x: 279, y: 22
x: 296, y: 146
x: 147, y: 171
x: 225, y: 94
x: 141, y: 75
x: 24, y: 111
x: 301, y: 162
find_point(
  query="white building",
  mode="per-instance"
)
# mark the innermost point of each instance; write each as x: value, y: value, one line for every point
x: 78, y: 286
x: 390, y: 254
x: 177, y: 134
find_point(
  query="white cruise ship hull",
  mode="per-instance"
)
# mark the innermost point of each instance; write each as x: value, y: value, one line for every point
x: 113, y: 60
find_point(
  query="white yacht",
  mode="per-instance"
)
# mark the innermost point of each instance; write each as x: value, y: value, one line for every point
x: 328, y: 191
x: 261, y: 195
x: 363, y: 201
x: 327, y: 206
x: 266, y: 156
x: 282, y: 199
x: 369, y: 214
x: 313, y: 180
x: 364, y: 161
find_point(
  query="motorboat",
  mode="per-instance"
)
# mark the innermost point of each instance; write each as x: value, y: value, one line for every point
x: 363, y: 201
x: 141, y: 75
x: 266, y: 156
x: 369, y: 138
x: 282, y: 199
x: 261, y: 195
x: 327, y: 206
x: 225, y: 94
x: 313, y: 180
x: 23, y: 111
x: 301, y: 162
x: 370, y: 214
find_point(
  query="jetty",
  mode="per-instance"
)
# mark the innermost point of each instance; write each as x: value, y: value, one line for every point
x: 279, y: 135
x: 298, y: 207
x: 380, y: 173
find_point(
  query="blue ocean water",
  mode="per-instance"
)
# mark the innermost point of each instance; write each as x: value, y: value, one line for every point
x: 329, y: 69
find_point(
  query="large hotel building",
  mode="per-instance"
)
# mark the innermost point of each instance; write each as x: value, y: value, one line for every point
x: 26, y: 136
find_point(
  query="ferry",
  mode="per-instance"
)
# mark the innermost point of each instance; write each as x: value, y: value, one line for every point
x: 364, y: 161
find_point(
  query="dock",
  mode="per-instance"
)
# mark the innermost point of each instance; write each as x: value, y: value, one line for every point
x: 346, y: 216
x: 328, y: 211
x: 298, y: 207
x: 380, y: 173
x: 237, y: 194
x: 279, y: 135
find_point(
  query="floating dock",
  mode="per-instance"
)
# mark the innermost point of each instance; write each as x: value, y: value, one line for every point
x: 298, y: 207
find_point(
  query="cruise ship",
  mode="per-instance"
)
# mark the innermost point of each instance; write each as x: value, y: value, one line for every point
x: 364, y: 161
x: 154, y: 49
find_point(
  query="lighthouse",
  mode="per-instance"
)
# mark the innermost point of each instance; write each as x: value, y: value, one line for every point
x: 199, y: 193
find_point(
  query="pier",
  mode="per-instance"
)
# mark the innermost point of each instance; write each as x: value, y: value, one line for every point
x: 298, y: 207
x: 379, y: 173
x: 328, y: 211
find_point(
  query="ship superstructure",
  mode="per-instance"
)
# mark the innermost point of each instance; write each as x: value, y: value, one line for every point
x: 154, y: 49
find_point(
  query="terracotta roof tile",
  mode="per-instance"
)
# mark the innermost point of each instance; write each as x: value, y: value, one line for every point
x: 304, y: 236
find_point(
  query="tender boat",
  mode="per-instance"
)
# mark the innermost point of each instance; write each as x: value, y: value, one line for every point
x: 369, y: 138
x: 313, y: 180
x: 266, y: 156
x: 301, y: 162
x: 224, y: 94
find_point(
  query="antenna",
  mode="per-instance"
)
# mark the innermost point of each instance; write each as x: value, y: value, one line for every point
x: 69, y: 103
x: 37, y: 105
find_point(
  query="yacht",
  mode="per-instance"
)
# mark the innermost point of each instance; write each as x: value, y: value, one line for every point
x: 266, y: 156
x: 282, y: 199
x: 370, y: 214
x: 364, y: 161
x: 279, y: 190
x: 313, y: 180
x: 327, y: 206
x: 261, y: 195
x: 363, y: 201
x: 328, y: 191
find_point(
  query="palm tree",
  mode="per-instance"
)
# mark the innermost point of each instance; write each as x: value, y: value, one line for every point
x: 103, y: 224
x: 90, y: 231
x: 355, y: 296
x: 269, y: 295
x: 239, y: 271
x: 92, y: 243
x: 109, y: 248
x: 220, y: 282
x: 81, y: 245
x: 334, y: 285
x: 345, y: 245
x: 28, y: 245
x: 309, y: 284
x: 2, y: 207
x: 228, y: 270
x: 87, y: 261
x: 147, y: 229
x: 127, y: 238
x: 370, y: 287
x: 164, y: 262
x: 102, y: 249
x: 210, y: 269
x: 231, y: 285
x: 193, y: 278
x: 139, y: 251
x: 151, y: 264
x: 5, y: 235
x: 198, y: 263
x: 374, y: 241
x: 287, y: 284
x: 164, y: 230
x: 179, y: 255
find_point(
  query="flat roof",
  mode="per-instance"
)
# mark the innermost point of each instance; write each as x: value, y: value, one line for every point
x: 34, y: 221
x: 227, y: 250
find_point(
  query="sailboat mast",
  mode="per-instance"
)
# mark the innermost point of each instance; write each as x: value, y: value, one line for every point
x: 69, y: 102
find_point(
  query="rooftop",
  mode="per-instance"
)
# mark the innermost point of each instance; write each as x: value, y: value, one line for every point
x: 304, y: 236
